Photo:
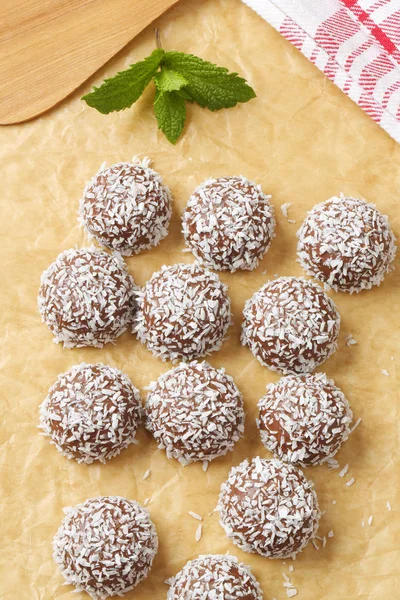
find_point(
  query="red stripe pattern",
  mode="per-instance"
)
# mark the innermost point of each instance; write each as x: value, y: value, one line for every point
x: 387, y: 32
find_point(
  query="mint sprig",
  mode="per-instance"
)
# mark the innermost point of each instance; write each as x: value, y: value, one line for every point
x: 178, y: 78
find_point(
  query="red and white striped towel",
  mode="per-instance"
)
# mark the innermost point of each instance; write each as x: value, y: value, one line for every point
x: 356, y: 43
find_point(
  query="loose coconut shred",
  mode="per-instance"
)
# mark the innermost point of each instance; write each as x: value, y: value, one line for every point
x: 291, y: 325
x: 87, y: 298
x: 229, y: 223
x: 268, y: 507
x: 126, y: 207
x: 304, y: 419
x: 91, y: 413
x: 195, y: 412
x: 214, y: 577
x: 346, y: 243
x: 105, y: 546
x: 184, y: 312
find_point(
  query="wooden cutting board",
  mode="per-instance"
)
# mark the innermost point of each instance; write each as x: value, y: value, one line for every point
x: 48, y: 48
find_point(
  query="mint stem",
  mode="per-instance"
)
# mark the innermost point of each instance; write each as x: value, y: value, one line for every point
x: 158, y: 38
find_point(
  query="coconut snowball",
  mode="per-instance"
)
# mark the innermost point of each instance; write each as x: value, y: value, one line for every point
x: 291, y: 325
x: 304, y: 419
x: 195, y: 412
x: 214, y: 576
x: 184, y: 312
x: 268, y: 507
x: 346, y: 243
x: 105, y: 546
x: 126, y: 207
x: 91, y: 413
x: 86, y: 298
x: 229, y: 223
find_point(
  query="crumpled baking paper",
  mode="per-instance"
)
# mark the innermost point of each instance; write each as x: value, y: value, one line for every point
x: 303, y: 141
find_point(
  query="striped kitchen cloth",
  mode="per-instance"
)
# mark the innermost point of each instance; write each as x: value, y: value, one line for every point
x: 356, y: 43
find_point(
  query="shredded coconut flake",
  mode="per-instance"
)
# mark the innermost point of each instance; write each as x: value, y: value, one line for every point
x: 199, y: 532
x: 285, y: 212
x: 291, y: 592
x: 356, y: 424
x: 350, y: 341
x: 195, y: 515
x: 314, y: 543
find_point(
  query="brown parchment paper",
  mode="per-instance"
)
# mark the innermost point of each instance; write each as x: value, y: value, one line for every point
x: 304, y: 141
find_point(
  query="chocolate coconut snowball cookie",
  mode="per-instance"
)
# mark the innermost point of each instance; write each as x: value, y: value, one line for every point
x: 184, y: 312
x: 91, y: 413
x: 214, y: 576
x: 229, y: 223
x: 268, y: 507
x: 86, y: 298
x: 304, y: 419
x: 105, y: 546
x: 126, y: 207
x: 346, y: 243
x: 291, y: 325
x: 195, y: 412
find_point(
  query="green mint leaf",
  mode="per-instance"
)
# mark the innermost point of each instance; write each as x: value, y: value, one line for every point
x: 126, y: 87
x: 169, y: 81
x: 170, y: 111
x: 209, y: 85
x: 185, y: 94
